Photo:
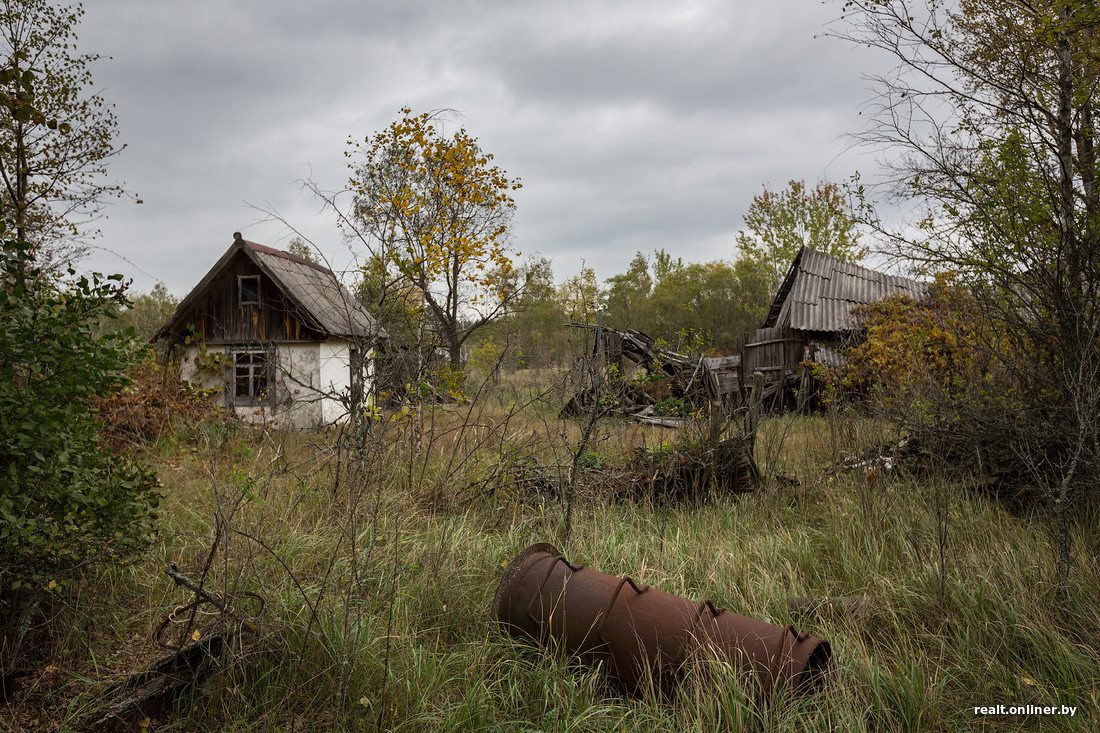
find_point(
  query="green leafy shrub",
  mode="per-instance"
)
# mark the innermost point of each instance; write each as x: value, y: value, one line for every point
x: 65, y: 501
x: 673, y: 407
x: 593, y: 460
x: 661, y: 452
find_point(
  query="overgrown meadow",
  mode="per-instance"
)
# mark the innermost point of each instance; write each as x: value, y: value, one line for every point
x: 366, y: 559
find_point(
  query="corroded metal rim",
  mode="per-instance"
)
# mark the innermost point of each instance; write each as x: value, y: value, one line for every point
x: 812, y: 676
x: 515, y: 572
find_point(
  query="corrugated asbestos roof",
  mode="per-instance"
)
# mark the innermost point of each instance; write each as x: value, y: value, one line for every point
x: 820, y: 291
x: 314, y: 289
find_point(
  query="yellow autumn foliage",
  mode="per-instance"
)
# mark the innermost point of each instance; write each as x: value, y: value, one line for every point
x: 908, y: 342
x: 441, y: 211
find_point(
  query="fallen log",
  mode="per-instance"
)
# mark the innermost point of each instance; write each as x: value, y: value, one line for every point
x: 142, y: 690
x: 187, y: 666
x: 650, y: 417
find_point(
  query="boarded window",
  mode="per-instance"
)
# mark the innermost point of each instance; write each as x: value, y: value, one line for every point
x: 248, y: 287
x: 250, y: 377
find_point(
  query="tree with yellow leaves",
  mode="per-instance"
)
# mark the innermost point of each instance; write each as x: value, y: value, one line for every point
x: 440, y: 213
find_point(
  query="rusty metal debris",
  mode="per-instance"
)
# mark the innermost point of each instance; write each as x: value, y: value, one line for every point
x: 641, y: 634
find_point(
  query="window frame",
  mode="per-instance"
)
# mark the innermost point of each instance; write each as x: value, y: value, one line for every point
x: 261, y: 387
x: 240, y: 290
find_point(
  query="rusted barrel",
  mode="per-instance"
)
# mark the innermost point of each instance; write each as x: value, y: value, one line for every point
x: 641, y: 633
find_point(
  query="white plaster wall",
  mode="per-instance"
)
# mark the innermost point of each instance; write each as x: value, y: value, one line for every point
x: 311, y: 382
x: 295, y: 403
x: 205, y: 370
x: 298, y: 404
x: 335, y: 359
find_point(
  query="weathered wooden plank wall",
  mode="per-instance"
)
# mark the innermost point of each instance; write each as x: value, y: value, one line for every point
x: 772, y: 351
x: 219, y: 317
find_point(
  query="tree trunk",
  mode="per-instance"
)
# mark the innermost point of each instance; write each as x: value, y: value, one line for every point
x: 454, y: 349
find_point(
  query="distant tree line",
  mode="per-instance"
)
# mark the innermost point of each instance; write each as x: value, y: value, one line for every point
x: 692, y: 307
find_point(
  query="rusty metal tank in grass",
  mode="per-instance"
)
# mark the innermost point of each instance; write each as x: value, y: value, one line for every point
x: 643, y: 635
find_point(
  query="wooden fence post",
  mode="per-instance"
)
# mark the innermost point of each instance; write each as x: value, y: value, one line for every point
x: 756, y: 398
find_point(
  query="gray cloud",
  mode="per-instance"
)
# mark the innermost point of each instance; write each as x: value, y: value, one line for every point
x: 634, y: 125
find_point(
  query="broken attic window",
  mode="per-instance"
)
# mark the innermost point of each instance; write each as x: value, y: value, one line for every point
x: 249, y: 289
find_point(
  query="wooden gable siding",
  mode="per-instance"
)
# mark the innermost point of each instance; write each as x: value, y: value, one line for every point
x: 773, y: 351
x: 218, y: 316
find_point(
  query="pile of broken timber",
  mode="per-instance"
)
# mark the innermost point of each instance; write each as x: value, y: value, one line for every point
x: 670, y: 374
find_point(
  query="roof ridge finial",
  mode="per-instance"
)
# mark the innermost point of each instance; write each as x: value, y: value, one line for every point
x: 237, y: 237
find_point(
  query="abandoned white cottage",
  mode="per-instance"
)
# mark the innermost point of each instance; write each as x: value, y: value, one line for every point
x: 275, y: 336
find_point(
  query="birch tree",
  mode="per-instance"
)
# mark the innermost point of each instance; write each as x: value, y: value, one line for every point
x: 989, y: 123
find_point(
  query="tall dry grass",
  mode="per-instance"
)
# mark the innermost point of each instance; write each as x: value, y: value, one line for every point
x: 377, y: 555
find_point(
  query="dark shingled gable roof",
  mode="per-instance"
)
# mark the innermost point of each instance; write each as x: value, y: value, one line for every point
x: 820, y: 291
x: 315, y: 290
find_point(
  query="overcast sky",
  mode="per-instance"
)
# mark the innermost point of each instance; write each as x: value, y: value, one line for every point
x: 633, y: 125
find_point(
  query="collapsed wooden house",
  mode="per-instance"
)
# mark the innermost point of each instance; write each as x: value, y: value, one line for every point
x: 651, y: 383
x: 811, y: 322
